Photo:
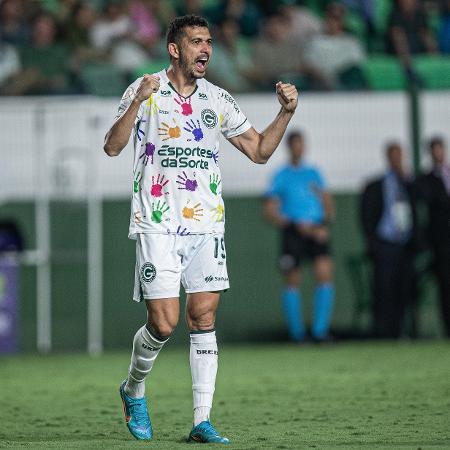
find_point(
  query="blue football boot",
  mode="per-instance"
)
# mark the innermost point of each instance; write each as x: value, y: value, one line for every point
x: 136, y: 416
x: 204, y: 432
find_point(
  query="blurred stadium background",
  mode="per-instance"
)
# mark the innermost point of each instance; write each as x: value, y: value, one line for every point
x: 63, y: 66
x: 71, y: 202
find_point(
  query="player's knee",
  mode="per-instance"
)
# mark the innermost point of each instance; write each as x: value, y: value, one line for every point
x: 204, y: 321
x: 164, y: 328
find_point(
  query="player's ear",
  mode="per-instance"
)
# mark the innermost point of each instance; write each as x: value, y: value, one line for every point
x: 173, y: 50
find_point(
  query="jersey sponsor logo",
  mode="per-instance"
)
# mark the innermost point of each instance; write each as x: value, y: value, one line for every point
x: 161, y: 111
x: 209, y: 118
x: 231, y: 100
x: 207, y: 352
x: 147, y: 272
x: 129, y: 93
x: 185, y: 157
x: 202, y: 96
x: 165, y: 93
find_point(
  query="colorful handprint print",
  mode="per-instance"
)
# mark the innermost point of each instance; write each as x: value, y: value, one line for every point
x: 189, y: 184
x: 158, y: 210
x: 169, y: 132
x: 137, y: 182
x: 196, y: 130
x: 193, y: 212
x: 218, y: 213
x: 148, y: 153
x: 157, y: 186
x: 214, y: 182
x: 185, y: 103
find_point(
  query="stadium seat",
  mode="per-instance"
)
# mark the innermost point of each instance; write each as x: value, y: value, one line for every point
x: 434, y: 71
x: 384, y: 73
x: 102, y: 79
x: 152, y: 67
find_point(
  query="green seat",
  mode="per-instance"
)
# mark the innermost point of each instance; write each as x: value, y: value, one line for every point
x: 384, y: 73
x: 434, y: 71
x: 152, y: 67
x: 102, y: 79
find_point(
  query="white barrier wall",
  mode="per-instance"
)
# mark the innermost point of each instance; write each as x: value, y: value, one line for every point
x: 59, y: 140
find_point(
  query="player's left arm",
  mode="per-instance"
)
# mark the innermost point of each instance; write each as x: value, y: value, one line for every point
x: 259, y: 147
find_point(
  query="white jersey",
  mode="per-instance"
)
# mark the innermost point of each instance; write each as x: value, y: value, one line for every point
x: 177, y: 183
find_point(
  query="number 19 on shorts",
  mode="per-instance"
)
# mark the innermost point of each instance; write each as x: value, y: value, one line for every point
x: 219, y: 248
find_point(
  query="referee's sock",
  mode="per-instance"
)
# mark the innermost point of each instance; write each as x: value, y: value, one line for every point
x: 292, y: 305
x: 204, y: 362
x: 146, y: 347
x: 323, y: 308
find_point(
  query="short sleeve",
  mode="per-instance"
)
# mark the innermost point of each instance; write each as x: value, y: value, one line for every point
x: 319, y: 180
x: 233, y: 120
x: 127, y: 98
x: 275, y: 188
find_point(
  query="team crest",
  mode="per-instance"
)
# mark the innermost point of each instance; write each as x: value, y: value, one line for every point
x: 209, y: 118
x: 148, y: 272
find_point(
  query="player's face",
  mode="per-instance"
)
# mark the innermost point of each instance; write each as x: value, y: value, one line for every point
x: 395, y: 159
x: 195, y: 51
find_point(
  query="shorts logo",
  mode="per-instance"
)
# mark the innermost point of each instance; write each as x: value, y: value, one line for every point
x: 148, y: 272
x: 210, y: 278
x: 209, y: 118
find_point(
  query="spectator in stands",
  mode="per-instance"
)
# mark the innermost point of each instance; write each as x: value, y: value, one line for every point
x: 389, y: 225
x: 299, y: 204
x: 115, y: 32
x: 434, y: 189
x: 14, y: 28
x: 409, y: 33
x: 231, y: 62
x: 303, y: 24
x: 334, y: 52
x: 9, y: 66
x: 444, y: 29
x: 246, y: 13
x: 45, y: 61
x: 276, y: 56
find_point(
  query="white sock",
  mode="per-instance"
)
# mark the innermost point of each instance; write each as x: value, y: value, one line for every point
x: 145, y: 350
x: 204, y: 363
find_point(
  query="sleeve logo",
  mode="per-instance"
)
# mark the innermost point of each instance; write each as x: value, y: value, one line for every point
x: 148, y: 272
x: 209, y: 118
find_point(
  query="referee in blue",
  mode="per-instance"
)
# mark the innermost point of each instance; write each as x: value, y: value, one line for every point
x: 298, y: 203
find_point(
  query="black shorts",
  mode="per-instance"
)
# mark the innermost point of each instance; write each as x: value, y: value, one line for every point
x: 295, y: 248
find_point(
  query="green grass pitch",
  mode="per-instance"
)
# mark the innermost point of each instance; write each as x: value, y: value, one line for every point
x: 345, y: 396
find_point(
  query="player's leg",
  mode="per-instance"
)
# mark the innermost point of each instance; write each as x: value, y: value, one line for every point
x: 157, y: 281
x: 201, y: 310
x: 291, y: 253
x: 204, y: 277
x: 323, y: 296
x: 162, y: 318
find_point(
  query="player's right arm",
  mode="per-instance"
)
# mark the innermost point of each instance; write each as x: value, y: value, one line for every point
x: 119, y: 134
x: 271, y: 212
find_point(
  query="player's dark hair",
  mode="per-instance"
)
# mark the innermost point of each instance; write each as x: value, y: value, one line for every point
x: 294, y: 135
x: 176, y: 27
x: 435, y: 141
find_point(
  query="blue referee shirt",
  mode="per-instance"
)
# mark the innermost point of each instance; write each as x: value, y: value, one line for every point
x: 298, y: 188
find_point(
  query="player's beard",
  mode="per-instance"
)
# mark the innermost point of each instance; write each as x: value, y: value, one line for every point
x: 186, y: 68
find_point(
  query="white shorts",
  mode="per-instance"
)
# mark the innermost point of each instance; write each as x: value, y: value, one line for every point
x: 164, y: 260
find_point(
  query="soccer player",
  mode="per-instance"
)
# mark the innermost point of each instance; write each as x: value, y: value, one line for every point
x: 177, y: 213
x: 298, y: 203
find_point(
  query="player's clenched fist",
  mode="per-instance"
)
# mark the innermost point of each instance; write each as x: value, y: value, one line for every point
x: 149, y: 85
x: 287, y: 96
